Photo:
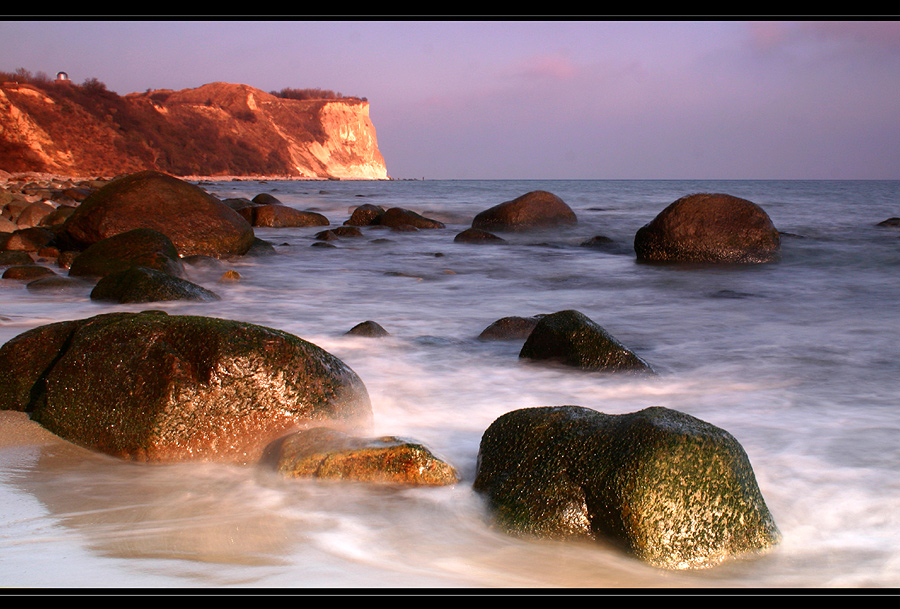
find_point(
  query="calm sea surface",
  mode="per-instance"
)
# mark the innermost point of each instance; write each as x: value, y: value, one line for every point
x: 798, y: 360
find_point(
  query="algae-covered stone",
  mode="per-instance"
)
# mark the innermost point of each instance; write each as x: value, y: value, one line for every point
x: 675, y: 491
x: 154, y: 387
x: 572, y: 339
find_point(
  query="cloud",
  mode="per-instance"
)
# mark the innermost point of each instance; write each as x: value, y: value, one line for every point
x: 545, y: 67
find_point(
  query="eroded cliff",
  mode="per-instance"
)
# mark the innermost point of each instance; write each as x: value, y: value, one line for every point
x: 217, y: 129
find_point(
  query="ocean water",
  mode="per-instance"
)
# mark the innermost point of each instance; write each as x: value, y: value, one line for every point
x: 797, y: 359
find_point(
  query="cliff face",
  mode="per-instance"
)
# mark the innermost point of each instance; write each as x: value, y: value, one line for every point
x: 216, y: 130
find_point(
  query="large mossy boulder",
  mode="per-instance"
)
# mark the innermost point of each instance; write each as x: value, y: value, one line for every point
x: 533, y: 210
x: 195, y: 221
x: 572, y: 339
x: 716, y: 228
x: 671, y: 489
x: 143, y: 247
x: 332, y: 454
x: 153, y: 387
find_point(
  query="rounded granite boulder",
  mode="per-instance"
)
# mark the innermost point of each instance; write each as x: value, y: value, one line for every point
x: 153, y: 387
x: 195, y: 221
x: 668, y: 488
x: 717, y: 228
x: 534, y: 210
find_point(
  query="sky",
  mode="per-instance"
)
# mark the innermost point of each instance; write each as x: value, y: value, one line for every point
x: 538, y: 99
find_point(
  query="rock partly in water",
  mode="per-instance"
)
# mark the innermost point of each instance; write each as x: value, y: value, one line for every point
x: 671, y: 489
x: 28, y: 272
x: 138, y: 284
x: 331, y: 454
x: 572, y: 339
x: 717, y: 228
x: 510, y: 328
x: 367, y: 328
x: 195, y: 221
x: 153, y: 387
x: 282, y: 216
x: 534, y: 210
x: 398, y: 217
x: 143, y: 247
x: 365, y: 215
x: 476, y: 235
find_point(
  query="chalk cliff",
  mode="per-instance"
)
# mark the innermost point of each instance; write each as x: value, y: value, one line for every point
x: 217, y: 129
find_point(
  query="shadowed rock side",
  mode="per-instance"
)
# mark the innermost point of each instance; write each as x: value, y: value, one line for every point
x: 328, y: 453
x: 138, y: 284
x: 139, y: 247
x: 572, y: 339
x: 153, y: 387
x: 669, y: 488
x: 534, y: 210
x: 195, y: 222
x: 709, y: 228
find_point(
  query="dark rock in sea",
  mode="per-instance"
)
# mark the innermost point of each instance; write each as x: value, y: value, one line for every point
x: 510, y: 328
x: 143, y: 247
x: 889, y: 222
x: 260, y: 247
x: 57, y: 284
x: 282, y: 216
x: 140, y: 284
x: 153, y: 387
x: 196, y: 222
x: 28, y: 272
x: 347, y: 231
x: 367, y: 328
x: 671, y: 489
x: 265, y: 198
x: 398, y: 217
x: 476, y: 235
x: 365, y: 215
x: 330, y: 454
x: 534, y: 210
x: 605, y: 244
x: 717, y: 228
x: 327, y: 235
x: 572, y: 339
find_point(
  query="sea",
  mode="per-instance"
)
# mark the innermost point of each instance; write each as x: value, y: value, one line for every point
x: 797, y: 359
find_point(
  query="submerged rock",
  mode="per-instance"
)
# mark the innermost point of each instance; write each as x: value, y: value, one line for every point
x: 572, y: 339
x: 331, y: 454
x: 367, y: 328
x: 716, y: 228
x: 154, y: 387
x: 534, y: 210
x: 476, y: 235
x: 669, y: 488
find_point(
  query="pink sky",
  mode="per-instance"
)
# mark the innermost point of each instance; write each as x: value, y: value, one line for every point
x: 539, y: 99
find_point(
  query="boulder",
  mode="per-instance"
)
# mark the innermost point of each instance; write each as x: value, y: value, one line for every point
x: 476, y: 235
x: 534, y: 210
x: 365, y: 215
x: 143, y: 247
x: 282, y: 216
x: 331, y: 454
x: 195, y: 221
x: 153, y: 387
x: 397, y: 217
x: 28, y: 272
x: 572, y: 339
x: 510, y: 328
x: 138, y: 284
x: 367, y: 328
x: 717, y: 228
x: 671, y: 489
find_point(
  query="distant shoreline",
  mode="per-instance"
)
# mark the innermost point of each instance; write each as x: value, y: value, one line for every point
x: 7, y: 176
